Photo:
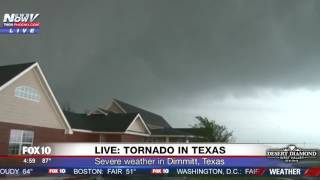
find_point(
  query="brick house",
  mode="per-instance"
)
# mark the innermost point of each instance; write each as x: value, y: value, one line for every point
x: 30, y: 114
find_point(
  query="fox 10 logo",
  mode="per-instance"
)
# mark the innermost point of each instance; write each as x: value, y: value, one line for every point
x: 20, y: 23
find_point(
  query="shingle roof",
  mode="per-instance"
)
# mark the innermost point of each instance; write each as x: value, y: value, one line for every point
x: 149, y: 117
x: 170, y: 131
x: 193, y: 131
x: 100, y: 122
x: 10, y: 71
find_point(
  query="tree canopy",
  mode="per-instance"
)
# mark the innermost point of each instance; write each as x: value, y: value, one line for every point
x: 210, y: 131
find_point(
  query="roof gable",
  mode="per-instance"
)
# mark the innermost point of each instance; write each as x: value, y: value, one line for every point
x: 16, y: 72
x: 138, y: 127
x: 100, y: 122
x: 8, y: 72
x: 152, y: 120
x: 171, y: 132
x: 115, y: 107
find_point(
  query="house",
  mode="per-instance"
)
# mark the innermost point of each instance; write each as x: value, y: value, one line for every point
x: 29, y: 111
x: 30, y: 114
x: 160, y: 129
x: 110, y: 127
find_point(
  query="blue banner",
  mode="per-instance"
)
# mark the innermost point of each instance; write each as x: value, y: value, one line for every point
x: 9, y: 30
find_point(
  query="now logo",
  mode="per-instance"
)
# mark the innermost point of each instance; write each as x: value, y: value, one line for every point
x: 26, y: 17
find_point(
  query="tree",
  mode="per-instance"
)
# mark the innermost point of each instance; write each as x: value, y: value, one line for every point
x: 210, y: 131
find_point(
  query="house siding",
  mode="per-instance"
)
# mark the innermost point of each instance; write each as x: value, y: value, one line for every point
x: 43, y: 135
x: 112, y: 137
x: 21, y: 111
x: 137, y: 126
x: 48, y: 135
x: 114, y: 108
x: 132, y: 138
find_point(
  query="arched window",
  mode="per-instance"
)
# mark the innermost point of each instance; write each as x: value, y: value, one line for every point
x: 28, y: 93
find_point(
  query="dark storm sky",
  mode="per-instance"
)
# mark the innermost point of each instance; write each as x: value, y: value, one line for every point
x: 222, y: 59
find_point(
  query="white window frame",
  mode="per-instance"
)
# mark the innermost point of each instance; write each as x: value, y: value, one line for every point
x: 20, y: 142
x: 28, y: 93
x: 103, y: 138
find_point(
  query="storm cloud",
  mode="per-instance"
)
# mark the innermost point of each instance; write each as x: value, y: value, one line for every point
x: 239, y: 61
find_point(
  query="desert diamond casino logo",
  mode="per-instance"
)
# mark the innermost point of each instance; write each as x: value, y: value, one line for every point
x: 292, y: 154
x: 20, y: 23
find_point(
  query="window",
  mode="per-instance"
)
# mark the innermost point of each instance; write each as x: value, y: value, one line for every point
x: 28, y: 93
x: 18, y: 139
x: 103, y: 138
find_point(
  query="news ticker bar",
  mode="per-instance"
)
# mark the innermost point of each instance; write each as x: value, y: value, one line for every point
x: 170, y: 161
x: 158, y: 171
x: 151, y: 149
x: 163, y: 159
x: 166, y: 166
x: 293, y: 152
